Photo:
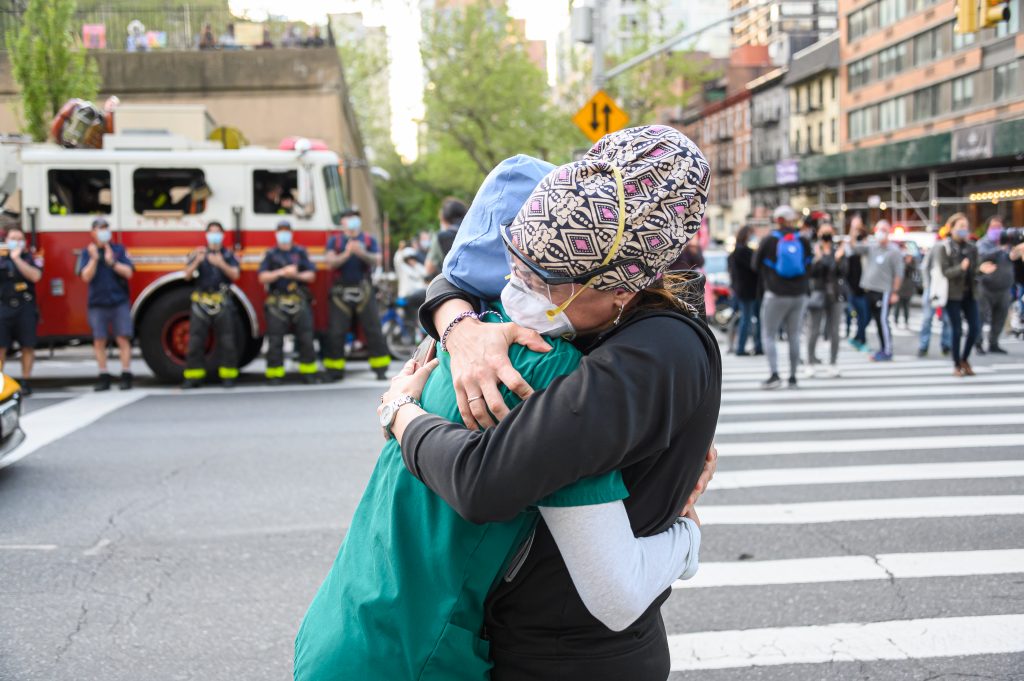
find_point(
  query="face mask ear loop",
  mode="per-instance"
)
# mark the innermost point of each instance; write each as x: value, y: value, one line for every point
x: 620, y: 190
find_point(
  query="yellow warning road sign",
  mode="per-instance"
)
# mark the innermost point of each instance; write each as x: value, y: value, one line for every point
x: 600, y: 116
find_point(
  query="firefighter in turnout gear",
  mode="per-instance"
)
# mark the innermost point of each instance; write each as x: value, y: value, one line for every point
x: 213, y: 269
x: 287, y: 271
x: 352, y: 257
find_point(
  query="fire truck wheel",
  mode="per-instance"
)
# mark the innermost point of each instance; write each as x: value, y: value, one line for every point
x: 163, y: 336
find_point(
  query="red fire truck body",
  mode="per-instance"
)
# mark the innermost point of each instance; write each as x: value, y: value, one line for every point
x: 158, y: 192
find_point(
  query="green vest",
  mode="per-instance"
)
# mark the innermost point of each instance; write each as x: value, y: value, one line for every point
x: 404, y: 599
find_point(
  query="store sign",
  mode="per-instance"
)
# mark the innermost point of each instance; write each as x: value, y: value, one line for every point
x: 787, y: 171
x: 973, y: 143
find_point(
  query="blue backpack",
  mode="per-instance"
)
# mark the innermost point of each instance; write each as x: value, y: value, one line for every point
x: 790, y: 261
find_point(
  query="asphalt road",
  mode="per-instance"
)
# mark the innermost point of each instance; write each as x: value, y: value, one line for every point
x: 160, y: 534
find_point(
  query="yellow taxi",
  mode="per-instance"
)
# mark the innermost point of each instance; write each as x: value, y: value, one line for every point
x: 11, y: 434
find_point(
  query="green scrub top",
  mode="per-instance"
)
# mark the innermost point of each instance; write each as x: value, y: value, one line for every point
x: 404, y: 599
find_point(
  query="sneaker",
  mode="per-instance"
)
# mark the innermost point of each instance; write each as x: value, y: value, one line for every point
x: 275, y: 381
x: 744, y: 353
x: 792, y: 382
x: 864, y: 347
x: 808, y: 371
x: 832, y: 371
x: 126, y: 380
x: 855, y: 344
x: 227, y: 383
x: 26, y: 389
x: 946, y: 352
x: 335, y: 375
x: 773, y: 383
x: 103, y: 383
x: 881, y: 356
x: 997, y: 350
x: 191, y: 384
x: 310, y: 379
x: 979, y: 349
x: 758, y: 353
x: 382, y: 373
x: 922, y: 353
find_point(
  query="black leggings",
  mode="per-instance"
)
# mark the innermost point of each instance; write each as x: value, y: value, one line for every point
x: 958, y: 311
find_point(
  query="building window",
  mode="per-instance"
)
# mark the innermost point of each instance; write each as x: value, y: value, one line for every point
x: 79, y: 192
x: 926, y: 103
x: 1005, y: 81
x: 962, y: 40
x: 810, y: 140
x: 834, y: 97
x: 821, y: 135
x: 796, y: 140
x: 834, y: 130
x: 273, y: 191
x: 859, y: 73
x: 169, y: 190
x: 963, y: 91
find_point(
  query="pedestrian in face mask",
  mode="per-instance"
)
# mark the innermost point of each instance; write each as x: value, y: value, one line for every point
x: 214, y: 269
x: 20, y: 271
x: 958, y: 260
x: 105, y: 266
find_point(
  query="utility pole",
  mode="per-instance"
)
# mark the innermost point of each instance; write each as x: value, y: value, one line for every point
x: 599, y: 43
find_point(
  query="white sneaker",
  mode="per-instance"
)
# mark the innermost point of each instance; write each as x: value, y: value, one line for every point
x: 808, y: 371
x: 831, y: 372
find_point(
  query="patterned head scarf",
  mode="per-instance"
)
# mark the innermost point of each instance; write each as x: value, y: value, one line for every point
x: 632, y: 202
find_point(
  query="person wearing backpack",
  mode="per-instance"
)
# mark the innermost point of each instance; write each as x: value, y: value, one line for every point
x: 881, y: 279
x: 783, y: 261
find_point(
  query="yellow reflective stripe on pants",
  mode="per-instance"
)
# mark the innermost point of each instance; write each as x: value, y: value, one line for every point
x: 334, y: 364
x: 195, y: 374
x: 380, y: 362
x: 275, y: 372
x: 307, y: 368
x: 227, y: 372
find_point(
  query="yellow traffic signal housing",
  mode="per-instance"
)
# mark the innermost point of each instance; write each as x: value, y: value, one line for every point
x: 967, y: 16
x: 992, y: 13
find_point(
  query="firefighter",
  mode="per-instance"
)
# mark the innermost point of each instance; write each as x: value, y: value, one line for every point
x: 213, y: 269
x: 106, y: 268
x: 20, y: 271
x: 287, y: 272
x: 352, y: 257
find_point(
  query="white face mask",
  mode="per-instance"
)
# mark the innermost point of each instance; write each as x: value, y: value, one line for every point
x: 529, y: 308
x: 103, y: 235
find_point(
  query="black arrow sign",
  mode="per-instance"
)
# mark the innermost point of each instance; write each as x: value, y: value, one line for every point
x: 607, y: 110
x: 593, y: 116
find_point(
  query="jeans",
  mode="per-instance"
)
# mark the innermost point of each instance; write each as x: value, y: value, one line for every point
x: 831, y: 313
x: 750, y: 324
x: 927, y: 314
x: 859, y: 304
x: 958, y: 311
x: 778, y: 312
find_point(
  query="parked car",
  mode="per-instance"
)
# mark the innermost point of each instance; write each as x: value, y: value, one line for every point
x: 11, y: 434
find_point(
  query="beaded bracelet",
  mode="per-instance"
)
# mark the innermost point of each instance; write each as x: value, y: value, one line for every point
x: 458, y: 318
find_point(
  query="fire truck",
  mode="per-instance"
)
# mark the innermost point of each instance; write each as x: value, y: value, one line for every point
x: 158, y: 191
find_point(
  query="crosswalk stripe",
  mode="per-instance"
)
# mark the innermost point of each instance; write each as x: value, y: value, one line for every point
x: 805, y: 425
x: 880, y: 405
x: 892, y: 640
x: 814, y: 512
x: 850, y: 375
x: 878, y: 444
x: 833, y: 475
x: 885, y: 381
x: 856, y: 568
x: 853, y: 392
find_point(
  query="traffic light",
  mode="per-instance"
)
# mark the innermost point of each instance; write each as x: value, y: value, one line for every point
x: 993, y: 12
x: 967, y: 16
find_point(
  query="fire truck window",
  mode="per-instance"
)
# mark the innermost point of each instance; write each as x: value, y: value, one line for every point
x: 274, y: 191
x: 79, y: 192
x: 180, y: 191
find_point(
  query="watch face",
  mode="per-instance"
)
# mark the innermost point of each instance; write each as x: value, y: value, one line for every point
x: 387, y: 412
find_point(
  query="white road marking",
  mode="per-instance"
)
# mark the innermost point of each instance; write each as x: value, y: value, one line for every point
x: 857, y: 374
x: 856, y: 568
x: 28, y: 547
x: 819, y: 406
x: 59, y: 420
x: 814, y: 512
x: 878, y: 444
x: 853, y: 392
x: 97, y: 548
x: 813, y: 425
x: 884, y: 381
x: 894, y: 640
x: 834, y: 475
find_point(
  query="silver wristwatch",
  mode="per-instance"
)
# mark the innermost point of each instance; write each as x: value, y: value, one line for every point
x: 389, y: 411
